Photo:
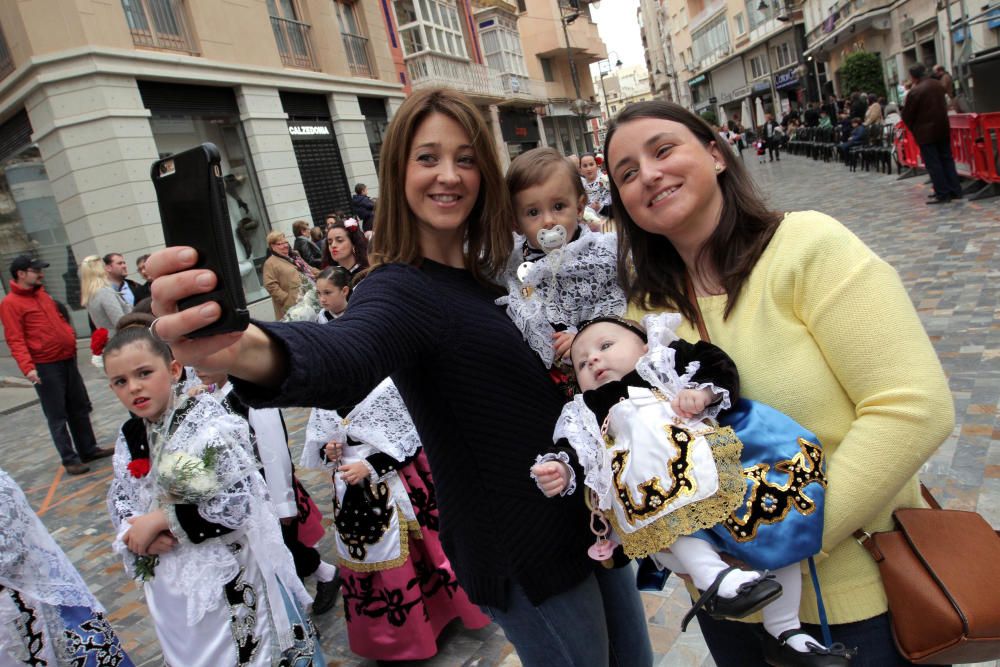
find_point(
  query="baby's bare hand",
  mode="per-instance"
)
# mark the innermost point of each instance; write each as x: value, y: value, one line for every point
x: 691, y: 402
x: 552, y: 477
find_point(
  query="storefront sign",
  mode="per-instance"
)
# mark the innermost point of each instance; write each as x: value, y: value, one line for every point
x: 309, y: 130
x: 787, y: 79
x: 518, y: 127
x: 697, y: 80
x: 740, y: 93
x: 761, y: 87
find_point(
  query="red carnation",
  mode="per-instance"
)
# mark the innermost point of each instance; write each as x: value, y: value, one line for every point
x: 139, y: 468
x: 98, y: 340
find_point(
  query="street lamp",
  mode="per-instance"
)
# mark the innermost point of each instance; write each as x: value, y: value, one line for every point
x: 579, y: 104
x: 604, y: 73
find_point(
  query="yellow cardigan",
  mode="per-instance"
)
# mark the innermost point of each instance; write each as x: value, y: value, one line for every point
x: 825, y: 332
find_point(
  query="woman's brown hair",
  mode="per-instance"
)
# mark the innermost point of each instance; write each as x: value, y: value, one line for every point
x: 489, y: 229
x: 649, y: 267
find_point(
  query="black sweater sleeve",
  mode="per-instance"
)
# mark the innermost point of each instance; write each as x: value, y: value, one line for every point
x: 393, y: 321
x: 716, y: 367
x: 384, y: 464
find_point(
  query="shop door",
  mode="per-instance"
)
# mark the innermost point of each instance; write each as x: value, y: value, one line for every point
x: 322, y: 170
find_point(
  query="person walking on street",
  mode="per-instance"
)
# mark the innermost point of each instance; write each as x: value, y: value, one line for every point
x: 44, y: 346
x: 771, y: 133
x: 926, y: 114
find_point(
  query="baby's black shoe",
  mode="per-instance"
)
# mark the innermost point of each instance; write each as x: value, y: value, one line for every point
x: 750, y: 597
x: 779, y: 653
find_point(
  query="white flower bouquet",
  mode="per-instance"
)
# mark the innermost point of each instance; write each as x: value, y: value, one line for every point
x: 187, y: 477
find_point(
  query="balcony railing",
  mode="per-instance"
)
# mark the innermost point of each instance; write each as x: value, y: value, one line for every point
x: 708, y: 12
x: 357, y: 55
x: 293, y: 42
x: 429, y: 69
x: 519, y: 87
x: 158, y: 24
x: 6, y: 62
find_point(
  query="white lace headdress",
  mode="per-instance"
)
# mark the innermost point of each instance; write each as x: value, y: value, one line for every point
x: 381, y: 421
x: 30, y: 560
x: 568, y: 286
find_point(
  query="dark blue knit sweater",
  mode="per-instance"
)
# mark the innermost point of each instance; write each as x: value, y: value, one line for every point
x: 482, y: 403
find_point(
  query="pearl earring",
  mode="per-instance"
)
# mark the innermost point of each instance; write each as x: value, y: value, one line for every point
x: 718, y: 167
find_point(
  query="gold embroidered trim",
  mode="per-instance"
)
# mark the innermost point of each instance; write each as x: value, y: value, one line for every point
x: 770, y: 503
x: 404, y: 553
x: 660, y: 534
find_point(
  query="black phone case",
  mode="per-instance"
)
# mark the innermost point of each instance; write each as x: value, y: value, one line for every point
x: 192, y: 201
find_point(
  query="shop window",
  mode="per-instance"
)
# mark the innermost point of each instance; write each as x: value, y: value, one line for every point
x: 757, y: 67
x: 30, y: 223
x: 740, y: 24
x: 783, y: 56
x: 176, y: 133
x: 158, y: 24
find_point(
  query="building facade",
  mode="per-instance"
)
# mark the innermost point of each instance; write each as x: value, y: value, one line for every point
x: 294, y: 93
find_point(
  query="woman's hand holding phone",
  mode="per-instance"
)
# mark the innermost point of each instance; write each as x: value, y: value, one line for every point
x: 250, y: 355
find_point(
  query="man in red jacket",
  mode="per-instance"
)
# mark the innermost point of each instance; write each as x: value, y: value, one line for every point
x: 44, y: 346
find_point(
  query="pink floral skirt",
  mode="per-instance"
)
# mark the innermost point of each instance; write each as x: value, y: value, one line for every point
x: 398, y: 614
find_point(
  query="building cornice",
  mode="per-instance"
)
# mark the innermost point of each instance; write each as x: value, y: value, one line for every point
x: 164, y: 66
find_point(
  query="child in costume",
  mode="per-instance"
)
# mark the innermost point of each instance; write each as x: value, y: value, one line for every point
x: 333, y: 287
x: 658, y: 466
x: 761, y: 146
x: 301, y: 520
x: 47, y: 614
x: 194, y: 522
x: 560, y: 273
x: 595, y: 182
x: 398, y: 587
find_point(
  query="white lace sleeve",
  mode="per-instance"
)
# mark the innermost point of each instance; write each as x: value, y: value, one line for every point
x: 657, y: 365
x: 563, y: 457
x: 720, y: 399
x: 578, y: 425
x: 382, y: 421
x: 230, y: 507
x: 272, y: 445
x: 127, y: 495
x: 14, y: 525
x: 323, y: 426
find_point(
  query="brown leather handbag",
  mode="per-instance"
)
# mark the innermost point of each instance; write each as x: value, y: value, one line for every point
x: 941, y: 572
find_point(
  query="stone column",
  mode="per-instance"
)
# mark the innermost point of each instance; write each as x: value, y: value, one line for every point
x: 94, y: 137
x: 543, y: 142
x: 352, y: 139
x: 498, y: 138
x: 266, y: 126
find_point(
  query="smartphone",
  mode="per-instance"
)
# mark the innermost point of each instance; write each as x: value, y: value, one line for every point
x: 192, y: 200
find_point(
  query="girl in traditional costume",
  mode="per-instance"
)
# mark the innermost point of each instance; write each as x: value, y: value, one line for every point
x: 676, y: 486
x: 301, y: 520
x: 194, y: 523
x: 399, y: 589
x: 47, y: 614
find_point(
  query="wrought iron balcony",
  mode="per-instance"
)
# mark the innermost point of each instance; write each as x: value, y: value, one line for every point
x: 293, y: 42
x: 158, y: 24
x: 358, y: 58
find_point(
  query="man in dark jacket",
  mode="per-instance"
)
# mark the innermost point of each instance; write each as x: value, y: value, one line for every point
x: 363, y: 207
x: 771, y: 132
x: 926, y: 114
x: 44, y: 346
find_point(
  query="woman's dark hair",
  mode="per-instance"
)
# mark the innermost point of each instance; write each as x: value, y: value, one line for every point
x: 649, y: 267
x: 138, y: 333
x: 358, y: 240
x: 339, y: 276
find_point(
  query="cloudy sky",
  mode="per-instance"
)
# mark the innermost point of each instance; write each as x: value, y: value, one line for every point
x: 616, y: 22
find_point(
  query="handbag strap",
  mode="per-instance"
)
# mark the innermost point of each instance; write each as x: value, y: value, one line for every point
x: 866, y: 539
x: 699, y: 321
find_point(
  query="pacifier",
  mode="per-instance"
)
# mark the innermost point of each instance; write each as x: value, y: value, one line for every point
x: 602, y: 549
x: 551, y: 239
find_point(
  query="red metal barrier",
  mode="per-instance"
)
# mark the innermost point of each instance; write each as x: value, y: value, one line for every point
x: 964, y: 132
x: 907, y: 151
x: 988, y: 148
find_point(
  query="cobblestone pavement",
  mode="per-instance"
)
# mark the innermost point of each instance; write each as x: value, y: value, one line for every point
x: 948, y: 258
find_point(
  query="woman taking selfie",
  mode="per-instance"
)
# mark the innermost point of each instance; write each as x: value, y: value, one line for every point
x: 482, y: 404
x: 819, y: 327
